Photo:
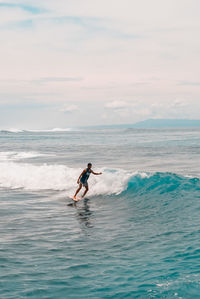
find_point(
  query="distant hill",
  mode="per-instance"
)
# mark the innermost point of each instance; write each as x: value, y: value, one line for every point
x: 153, y: 123
x: 167, y: 123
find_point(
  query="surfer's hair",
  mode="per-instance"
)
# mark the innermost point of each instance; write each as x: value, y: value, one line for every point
x: 89, y: 164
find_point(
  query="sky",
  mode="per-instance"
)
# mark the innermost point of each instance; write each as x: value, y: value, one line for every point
x: 91, y: 62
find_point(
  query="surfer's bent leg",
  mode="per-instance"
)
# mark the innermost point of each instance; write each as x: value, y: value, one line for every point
x: 77, y: 191
x: 86, y: 190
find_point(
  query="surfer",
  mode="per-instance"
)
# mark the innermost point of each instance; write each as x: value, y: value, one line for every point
x: 83, y: 178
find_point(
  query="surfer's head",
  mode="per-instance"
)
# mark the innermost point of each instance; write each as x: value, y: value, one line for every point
x: 89, y: 165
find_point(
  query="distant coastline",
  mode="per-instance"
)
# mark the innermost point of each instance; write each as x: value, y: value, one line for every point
x: 154, y: 124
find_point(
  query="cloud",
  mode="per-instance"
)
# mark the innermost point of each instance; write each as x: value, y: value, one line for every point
x: 57, y: 79
x: 92, y: 52
x: 190, y: 83
x: 25, y: 7
x: 132, y: 111
x: 117, y: 105
x: 178, y: 104
x: 69, y: 108
x: 126, y: 111
x: 43, y: 80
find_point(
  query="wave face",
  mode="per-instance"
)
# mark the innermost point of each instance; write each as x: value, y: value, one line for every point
x: 162, y: 183
x: 113, y: 181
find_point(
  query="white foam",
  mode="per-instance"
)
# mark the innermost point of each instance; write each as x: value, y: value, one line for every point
x: 51, y: 130
x: 15, y: 130
x: 13, y: 155
x: 60, y: 177
x: 166, y: 284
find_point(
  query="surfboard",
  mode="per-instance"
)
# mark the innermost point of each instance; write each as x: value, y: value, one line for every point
x: 78, y: 198
x: 74, y: 202
x: 71, y: 204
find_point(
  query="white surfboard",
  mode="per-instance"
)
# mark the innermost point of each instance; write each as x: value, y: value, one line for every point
x: 77, y: 198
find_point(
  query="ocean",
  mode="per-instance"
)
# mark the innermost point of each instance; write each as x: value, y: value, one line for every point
x: 135, y: 235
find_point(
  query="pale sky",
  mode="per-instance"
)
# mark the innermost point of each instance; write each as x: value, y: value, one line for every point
x: 90, y: 62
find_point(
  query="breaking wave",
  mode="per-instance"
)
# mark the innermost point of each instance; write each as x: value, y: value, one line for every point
x: 13, y: 156
x: 36, y: 131
x: 113, y: 181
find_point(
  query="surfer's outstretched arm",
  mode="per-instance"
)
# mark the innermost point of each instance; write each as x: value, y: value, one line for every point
x: 96, y: 173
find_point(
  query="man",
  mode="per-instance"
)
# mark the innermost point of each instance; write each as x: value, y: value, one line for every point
x: 83, y: 178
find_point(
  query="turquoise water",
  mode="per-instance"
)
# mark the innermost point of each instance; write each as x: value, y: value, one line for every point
x: 137, y: 233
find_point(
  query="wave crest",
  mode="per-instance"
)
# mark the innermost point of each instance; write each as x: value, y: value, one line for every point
x: 13, y: 156
x: 113, y: 181
x: 36, y: 131
x: 161, y: 183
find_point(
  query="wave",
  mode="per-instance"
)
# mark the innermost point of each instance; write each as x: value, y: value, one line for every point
x: 161, y: 183
x: 51, y: 130
x: 113, y: 181
x: 36, y: 131
x: 12, y: 155
x: 11, y: 130
x: 57, y: 177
